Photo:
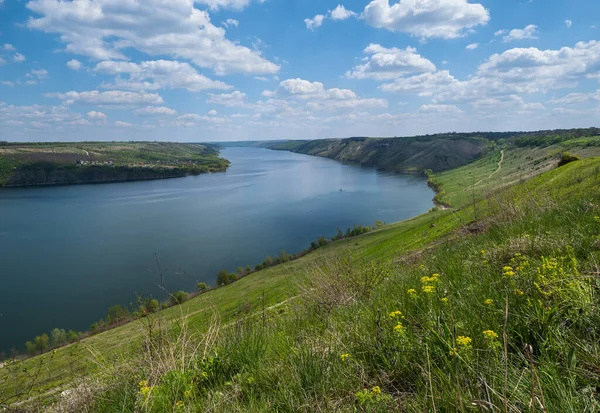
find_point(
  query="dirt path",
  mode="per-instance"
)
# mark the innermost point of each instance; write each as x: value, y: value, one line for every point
x: 496, y: 171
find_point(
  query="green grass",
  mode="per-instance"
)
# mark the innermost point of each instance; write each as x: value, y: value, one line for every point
x: 220, y: 349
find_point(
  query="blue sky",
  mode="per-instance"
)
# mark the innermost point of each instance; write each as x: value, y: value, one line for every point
x: 216, y: 70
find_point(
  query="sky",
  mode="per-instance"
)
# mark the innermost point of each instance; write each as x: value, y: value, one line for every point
x: 223, y: 70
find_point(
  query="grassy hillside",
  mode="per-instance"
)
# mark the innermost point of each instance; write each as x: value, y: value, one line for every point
x: 323, y: 332
x: 30, y: 164
x: 397, y: 154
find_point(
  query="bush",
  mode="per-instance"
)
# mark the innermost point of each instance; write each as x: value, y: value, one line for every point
x: 73, y: 336
x: 58, y: 337
x: 201, y: 286
x: 566, y: 158
x: 179, y: 297
x: 222, y: 278
x: 117, y: 313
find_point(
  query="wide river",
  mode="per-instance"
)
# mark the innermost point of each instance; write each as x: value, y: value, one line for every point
x: 69, y: 253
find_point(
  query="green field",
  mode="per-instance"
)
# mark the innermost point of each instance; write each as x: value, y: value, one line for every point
x: 30, y: 164
x: 323, y: 333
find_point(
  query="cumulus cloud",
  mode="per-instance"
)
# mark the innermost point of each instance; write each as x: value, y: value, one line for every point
x: 569, y: 23
x: 383, y: 63
x: 529, y: 32
x: 304, y: 89
x: 18, y: 58
x: 96, y: 115
x: 226, y: 4
x: 121, y: 124
x: 113, y: 97
x: 317, y: 21
x: 103, y: 29
x: 9, y: 47
x: 341, y: 13
x: 445, y: 19
x: 574, y: 98
x: 231, y: 22
x: 74, y: 64
x: 472, y: 46
x: 451, y: 109
x: 156, y: 111
x: 234, y: 99
x: 426, y: 84
x: 157, y: 74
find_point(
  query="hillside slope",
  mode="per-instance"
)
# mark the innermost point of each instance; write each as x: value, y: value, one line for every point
x: 35, y: 164
x: 396, y: 154
x: 313, y: 333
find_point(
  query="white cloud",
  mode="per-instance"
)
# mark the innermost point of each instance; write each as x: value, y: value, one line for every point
x: 426, y: 84
x: 74, y: 64
x: 40, y: 74
x: 231, y: 22
x: 212, y: 113
x: 450, y: 109
x: 225, y: 4
x: 123, y: 124
x: 234, y: 99
x: 7, y: 83
x: 113, y: 97
x: 9, y: 47
x: 472, y: 46
x: 529, y: 32
x: 104, y: 29
x: 156, y: 111
x: 341, y: 13
x: 574, y: 98
x: 2, y: 61
x: 391, y: 63
x: 315, y: 22
x: 304, y: 89
x: 445, y: 19
x: 569, y: 23
x: 350, y: 104
x: 157, y: 74
x: 18, y: 58
x: 96, y: 115
x: 13, y: 122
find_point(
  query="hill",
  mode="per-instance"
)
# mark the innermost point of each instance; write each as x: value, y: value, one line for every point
x: 34, y: 164
x: 487, y: 305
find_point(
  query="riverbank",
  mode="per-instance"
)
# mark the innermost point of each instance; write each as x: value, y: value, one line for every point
x: 48, y: 164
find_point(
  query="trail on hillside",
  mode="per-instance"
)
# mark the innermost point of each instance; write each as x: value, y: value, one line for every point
x: 496, y: 171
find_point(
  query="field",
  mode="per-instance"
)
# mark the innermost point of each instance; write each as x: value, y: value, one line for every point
x: 64, y: 163
x: 485, y: 306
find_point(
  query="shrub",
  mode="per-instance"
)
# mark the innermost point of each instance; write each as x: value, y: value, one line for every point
x: 566, y: 158
x: 222, y: 278
x: 116, y: 313
x: 73, y: 336
x: 202, y: 286
x: 248, y: 269
x: 179, y: 297
x: 58, y: 337
x: 231, y: 278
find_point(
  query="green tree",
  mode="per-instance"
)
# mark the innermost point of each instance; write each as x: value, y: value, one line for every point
x: 268, y: 261
x: 117, y: 313
x: 222, y: 278
x: 240, y: 270
x: 201, y: 286
x: 42, y: 342
x: 73, y: 336
x: 248, y: 269
x: 58, y: 337
x: 231, y: 278
x: 284, y: 257
x: 151, y: 306
x: 31, y: 347
x: 179, y: 297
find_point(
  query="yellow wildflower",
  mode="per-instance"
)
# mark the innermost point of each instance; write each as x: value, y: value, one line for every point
x: 412, y: 292
x: 422, y: 266
x: 519, y: 292
x: 395, y: 314
x: 597, y: 219
x: 490, y: 335
x: 187, y: 394
x: 179, y: 404
x: 488, y: 301
x: 376, y: 390
x: 507, y: 268
x: 428, y: 289
x: 345, y: 356
x: 399, y: 328
x: 482, y: 252
x: 463, y: 341
x: 453, y: 351
x: 445, y: 300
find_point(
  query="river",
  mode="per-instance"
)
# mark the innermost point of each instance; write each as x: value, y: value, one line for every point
x: 69, y: 253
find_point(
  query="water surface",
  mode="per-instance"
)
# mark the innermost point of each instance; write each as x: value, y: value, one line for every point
x: 68, y: 253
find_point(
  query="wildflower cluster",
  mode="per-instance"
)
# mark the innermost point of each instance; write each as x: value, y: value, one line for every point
x: 490, y: 335
x: 412, y: 292
x: 345, y: 357
x: 145, y: 389
x: 395, y: 314
x: 488, y: 301
x: 428, y: 286
x: 464, y: 341
x: 508, y: 271
x: 372, y: 397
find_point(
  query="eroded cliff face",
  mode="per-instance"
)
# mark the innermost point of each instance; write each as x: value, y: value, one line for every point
x: 400, y: 155
x: 37, y: 175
